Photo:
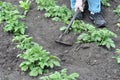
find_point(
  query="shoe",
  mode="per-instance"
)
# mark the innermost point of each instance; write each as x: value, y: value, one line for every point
x: 98, y: 19
x: 79, y: 16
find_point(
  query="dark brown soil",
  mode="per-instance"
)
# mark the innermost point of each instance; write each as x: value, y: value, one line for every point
x: 93, y: 63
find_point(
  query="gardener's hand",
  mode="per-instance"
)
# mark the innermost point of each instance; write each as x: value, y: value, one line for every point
x: 79, y: 5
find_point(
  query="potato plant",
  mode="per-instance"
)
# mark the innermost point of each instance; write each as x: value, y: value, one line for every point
x: 25, y: 5
x: 59, y: 13
x: 15, y: 27
x: 80, y: 26
x: 44, y: 4
x: 60, y: 76
x: 24, y: 42
x: 36, y: 60
x: 90, y: 34
x: 10, y: 15
x: 101, y: 37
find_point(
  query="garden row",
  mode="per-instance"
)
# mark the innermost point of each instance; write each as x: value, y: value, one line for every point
x: 36, y: 60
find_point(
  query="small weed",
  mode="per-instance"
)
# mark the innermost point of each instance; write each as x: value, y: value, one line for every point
x: 118, y: 25
x: 117, y: 10
x: 62, y: 28
x: 118, y: 57
x: 105, y: 3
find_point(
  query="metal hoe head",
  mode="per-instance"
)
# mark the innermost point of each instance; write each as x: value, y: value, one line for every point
x: 63, y: 42
x: 60, y: 40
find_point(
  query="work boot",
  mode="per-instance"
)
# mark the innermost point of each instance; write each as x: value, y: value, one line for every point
x: 79, y: 16
x: 98, y: 19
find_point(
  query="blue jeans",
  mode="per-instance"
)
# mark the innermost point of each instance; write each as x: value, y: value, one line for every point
x: 94, y: 5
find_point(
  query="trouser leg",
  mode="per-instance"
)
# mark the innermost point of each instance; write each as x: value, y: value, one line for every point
x: 94, y: 6
x: 72, y: 3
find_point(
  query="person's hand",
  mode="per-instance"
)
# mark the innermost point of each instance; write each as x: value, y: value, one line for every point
x: 79, y: 5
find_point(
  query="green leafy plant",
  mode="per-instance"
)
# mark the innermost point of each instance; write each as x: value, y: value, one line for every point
x: 118, y: 25
x: 117, y: 10
x: 100, y: 37
x: 24, y: 42
x: 62, y: 28
x: 44, y: 4
x: 80, y: 26
x: 105, y: 3
x: 37, y: 60
x: 25, y: 5
x: 90, y: 34
x: 2, y: 5
x: 59, y: 13
x: 6, y: 10
x: 60, y: 76
x: 10, y: 15
x: 118, y: 57
x: 15, y: 27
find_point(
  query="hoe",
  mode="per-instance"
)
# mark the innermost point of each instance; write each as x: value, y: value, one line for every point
x: 60, y: 38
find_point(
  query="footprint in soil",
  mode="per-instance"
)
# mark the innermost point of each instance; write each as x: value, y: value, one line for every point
x: 66, y: 58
